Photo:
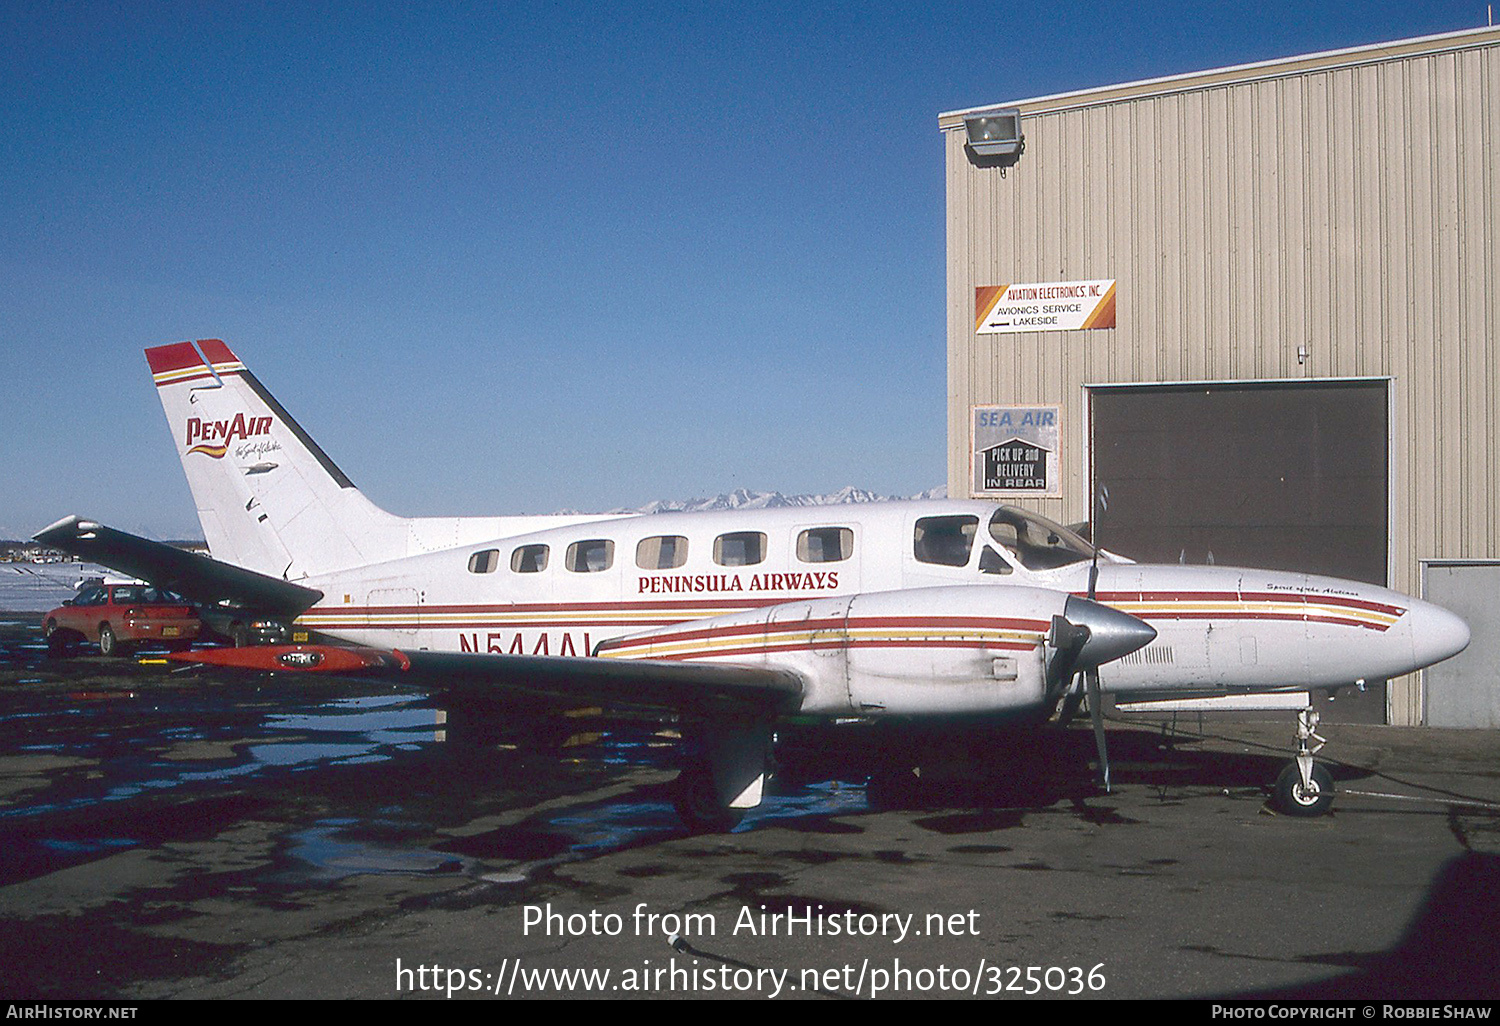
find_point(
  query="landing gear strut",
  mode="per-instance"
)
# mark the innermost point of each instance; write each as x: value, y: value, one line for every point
x: 723, y: 773
x: 1305, y: 788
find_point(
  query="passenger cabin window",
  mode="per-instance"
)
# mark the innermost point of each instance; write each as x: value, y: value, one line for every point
x: 743, y: 548
x: 484, y: 562
x: 590, y: 557
x: 529, y: 559
x: 91, y: 597
x: 825, y: 545
x: 944, y: 540
x: 664, y: 552
x: 1038, y: 543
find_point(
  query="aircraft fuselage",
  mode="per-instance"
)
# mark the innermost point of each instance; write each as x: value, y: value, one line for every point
x: 564, y: 591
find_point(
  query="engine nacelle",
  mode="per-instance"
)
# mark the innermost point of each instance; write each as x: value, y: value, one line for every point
x: 955, y: 651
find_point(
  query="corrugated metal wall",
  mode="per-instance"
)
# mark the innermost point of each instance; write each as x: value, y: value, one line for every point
x: 1353, y: 210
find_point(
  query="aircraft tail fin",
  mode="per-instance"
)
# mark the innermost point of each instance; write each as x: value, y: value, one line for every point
x: 268, y: 497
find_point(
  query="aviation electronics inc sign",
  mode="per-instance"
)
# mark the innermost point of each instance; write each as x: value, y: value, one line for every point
x: 1044, y: 306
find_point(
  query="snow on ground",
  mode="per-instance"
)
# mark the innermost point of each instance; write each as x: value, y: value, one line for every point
x: 38, y: 587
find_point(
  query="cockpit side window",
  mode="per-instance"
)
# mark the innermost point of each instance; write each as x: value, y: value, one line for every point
x: 946, y: 541
x: 991, y: 562
x: 1036, y: 542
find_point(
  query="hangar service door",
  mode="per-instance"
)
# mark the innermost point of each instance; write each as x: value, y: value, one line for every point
x: 1284, y: 475
x: 1465, y: 691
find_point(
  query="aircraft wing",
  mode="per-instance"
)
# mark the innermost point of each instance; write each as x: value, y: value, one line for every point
x: 199, y: 578
x: 616, y: 683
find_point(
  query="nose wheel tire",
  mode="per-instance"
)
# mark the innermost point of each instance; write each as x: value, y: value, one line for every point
x: 1292, y: 797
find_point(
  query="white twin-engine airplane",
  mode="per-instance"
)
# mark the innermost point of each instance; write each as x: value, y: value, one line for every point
x: 938, y: 611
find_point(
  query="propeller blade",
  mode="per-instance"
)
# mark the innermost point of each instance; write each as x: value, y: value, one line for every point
x: 1067, y: 641
x: 1096, y: 713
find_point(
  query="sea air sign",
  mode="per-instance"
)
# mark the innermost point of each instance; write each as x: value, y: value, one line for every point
x: 1015, y: 451
x: 1044, y: 306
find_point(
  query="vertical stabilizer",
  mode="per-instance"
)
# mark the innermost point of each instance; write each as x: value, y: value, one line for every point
x: 268, y: 498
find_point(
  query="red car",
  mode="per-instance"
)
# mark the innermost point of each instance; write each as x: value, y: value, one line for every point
x: 117, y: 617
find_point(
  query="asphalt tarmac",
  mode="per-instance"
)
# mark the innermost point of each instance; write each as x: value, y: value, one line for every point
x: 189, y: 834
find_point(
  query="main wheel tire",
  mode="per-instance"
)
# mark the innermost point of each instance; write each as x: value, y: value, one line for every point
x: 1295, y: 800
x: 697, y: 801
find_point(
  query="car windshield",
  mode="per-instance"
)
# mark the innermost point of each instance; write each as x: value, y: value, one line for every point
x: 1036, y: 542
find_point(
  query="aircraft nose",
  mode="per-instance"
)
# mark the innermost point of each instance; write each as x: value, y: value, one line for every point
x: 1112, y: 634
x: 1436, y: 634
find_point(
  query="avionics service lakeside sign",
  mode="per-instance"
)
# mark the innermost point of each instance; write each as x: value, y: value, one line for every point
x: 1044, y: 306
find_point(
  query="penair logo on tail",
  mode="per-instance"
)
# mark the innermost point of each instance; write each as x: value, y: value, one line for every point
x: 213, y: 437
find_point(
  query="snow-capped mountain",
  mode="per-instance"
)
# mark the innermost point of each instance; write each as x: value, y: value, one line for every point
x: 742, y: 498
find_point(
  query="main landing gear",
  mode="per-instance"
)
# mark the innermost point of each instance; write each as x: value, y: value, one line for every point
x: 1305, y: 788
x: 724, y: 772
x: 695, y: 796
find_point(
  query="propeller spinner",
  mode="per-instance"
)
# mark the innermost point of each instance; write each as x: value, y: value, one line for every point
x: 1088, y: 635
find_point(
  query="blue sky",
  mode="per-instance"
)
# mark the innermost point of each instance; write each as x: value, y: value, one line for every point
x: 523, y: 257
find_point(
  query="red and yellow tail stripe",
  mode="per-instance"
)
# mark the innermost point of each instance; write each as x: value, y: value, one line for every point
x: 181, y: 361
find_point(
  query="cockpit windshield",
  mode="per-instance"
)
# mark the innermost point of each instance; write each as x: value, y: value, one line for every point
x: 1036, y: 542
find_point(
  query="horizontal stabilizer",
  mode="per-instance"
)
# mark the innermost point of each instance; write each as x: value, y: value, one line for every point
x: 199, y: 578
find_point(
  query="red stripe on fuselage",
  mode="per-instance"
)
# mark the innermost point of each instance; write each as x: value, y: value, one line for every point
x: 833, y: 623
x: 551, y: 607
x: 815, y: 646
x: 1285, y: 597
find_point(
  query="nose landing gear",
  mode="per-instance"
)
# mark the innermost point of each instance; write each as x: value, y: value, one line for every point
x: 1305, y: 788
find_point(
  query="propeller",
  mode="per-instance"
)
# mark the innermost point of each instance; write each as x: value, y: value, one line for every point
x: 1123, y: 635
x: 1087, y: 635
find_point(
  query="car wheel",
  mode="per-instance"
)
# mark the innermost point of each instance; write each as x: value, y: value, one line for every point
x: 109, y: 644
x: 57, y: 640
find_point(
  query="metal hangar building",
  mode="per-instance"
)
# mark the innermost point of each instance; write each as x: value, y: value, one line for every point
x: 1260, y: 306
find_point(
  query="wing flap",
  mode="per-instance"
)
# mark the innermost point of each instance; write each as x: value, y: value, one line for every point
x: 644, y: 683
x: 202, y: 579
x: 616, y: 683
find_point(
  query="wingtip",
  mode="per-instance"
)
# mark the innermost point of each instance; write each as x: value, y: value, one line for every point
x: 57, y: 527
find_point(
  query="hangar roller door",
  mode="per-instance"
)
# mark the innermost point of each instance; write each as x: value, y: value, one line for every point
x: 1282, y: 475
